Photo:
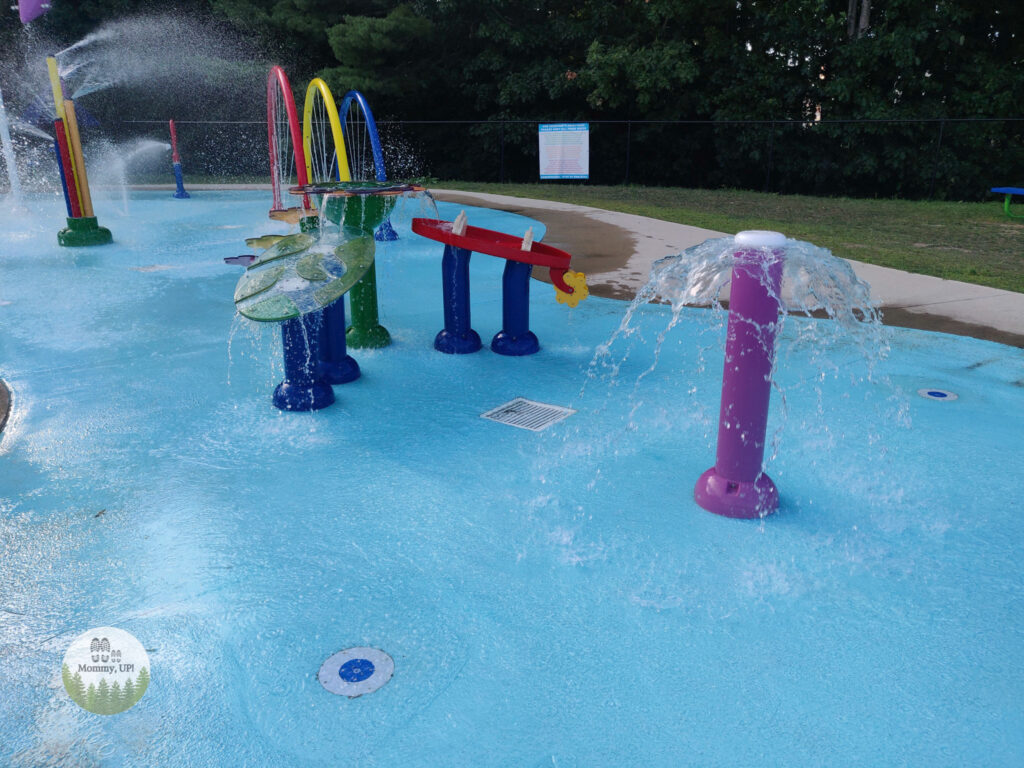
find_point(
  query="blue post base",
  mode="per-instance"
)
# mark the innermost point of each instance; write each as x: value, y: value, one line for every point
x: 340, y: 371
x: 505, y: 343
x: 458, y: 337
x: 180, y: 193
x: 385, y: 233
x: 515, y: 338
x: 289, y: 396
x: 453, y: 343
x: 336, y: 365
x: 303, y: 388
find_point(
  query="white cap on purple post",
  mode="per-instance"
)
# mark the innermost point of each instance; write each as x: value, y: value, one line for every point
x: 760, y: 238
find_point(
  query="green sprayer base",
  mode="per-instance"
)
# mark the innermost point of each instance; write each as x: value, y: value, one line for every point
x: 373, y: 337
x: 84, y: 231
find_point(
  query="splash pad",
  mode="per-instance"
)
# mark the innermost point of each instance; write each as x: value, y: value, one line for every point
x: 501, y: 587
x: 561, y: 603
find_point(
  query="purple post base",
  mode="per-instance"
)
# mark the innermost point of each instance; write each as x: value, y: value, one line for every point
x: 736, y: 486
x: 736, y: 498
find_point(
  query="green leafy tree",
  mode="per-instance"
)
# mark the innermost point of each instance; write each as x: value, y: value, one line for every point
x: 90, y: 698
x: 798, y: 66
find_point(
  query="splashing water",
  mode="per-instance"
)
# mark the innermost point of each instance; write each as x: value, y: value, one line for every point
x: 20, y: 126
x: 8, y: 155
x: 144, y: 147
x: 100, y: 35
x: 829, y: 327
x: 122, y: 52
x: 814, y: 284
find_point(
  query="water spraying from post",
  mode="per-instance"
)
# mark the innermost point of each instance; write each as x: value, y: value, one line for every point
x: 736, y: 486
x: 9, y: 159
x: 82, y: 227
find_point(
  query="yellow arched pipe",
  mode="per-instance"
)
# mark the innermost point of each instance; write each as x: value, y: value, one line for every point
x: 315, y: 85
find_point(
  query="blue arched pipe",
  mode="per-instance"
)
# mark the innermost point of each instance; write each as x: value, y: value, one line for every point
x: 385, y: 232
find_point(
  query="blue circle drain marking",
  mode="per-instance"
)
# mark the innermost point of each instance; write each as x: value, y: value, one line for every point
x: 356, y: 670
x: 937, y: 394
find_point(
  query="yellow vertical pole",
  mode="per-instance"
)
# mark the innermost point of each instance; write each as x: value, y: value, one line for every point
x: 71, y: 121
x: 58, y: 102
x: 58, y: 90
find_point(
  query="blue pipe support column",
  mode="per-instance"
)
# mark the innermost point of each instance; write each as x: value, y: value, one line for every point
x: 179, y: 179
x: 303, y: 388
x: 515, y: 337
x: 385, y: 232
x: 336, y: 365
x: 457, y: 338
x: 63, y: 180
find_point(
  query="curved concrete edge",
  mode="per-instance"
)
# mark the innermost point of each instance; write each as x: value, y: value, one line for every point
x: 616, y: 250
x: 5, y: 404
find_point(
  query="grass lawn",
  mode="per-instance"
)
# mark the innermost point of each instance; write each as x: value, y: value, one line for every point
x: 972, y: 242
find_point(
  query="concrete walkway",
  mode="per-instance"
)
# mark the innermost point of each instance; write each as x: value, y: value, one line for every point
x: 616, y: 250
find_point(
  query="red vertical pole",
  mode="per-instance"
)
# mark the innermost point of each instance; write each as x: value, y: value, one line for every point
x: 174, y: 144
x: 65, y: 169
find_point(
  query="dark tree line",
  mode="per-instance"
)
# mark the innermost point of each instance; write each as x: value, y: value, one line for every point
x: 803, y: 67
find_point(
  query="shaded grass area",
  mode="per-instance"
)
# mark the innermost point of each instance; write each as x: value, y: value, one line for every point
x: 971, y: 242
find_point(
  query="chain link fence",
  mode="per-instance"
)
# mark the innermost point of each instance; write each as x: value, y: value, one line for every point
x: 951, y: 159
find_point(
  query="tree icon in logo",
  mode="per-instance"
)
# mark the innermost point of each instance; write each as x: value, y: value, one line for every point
x: 106, y: 671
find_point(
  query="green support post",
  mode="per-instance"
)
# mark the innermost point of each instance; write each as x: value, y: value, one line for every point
x: 365, y: 213
x: 366, y: 332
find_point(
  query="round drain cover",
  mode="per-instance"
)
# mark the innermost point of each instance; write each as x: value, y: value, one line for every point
x: 937, y: 394
x: 356, y: 671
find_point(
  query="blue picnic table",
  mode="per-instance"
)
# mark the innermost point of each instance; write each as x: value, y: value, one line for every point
x: 1009, y: 192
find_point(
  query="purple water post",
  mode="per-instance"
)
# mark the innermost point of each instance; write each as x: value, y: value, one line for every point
x: 736, y: 486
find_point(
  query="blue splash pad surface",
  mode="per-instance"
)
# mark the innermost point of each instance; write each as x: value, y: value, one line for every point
x: 550, y: 599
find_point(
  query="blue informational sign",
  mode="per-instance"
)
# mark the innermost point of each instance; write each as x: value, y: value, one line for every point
x: 564, y: 150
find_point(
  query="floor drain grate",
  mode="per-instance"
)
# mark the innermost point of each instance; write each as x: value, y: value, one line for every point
x: 528, y: 414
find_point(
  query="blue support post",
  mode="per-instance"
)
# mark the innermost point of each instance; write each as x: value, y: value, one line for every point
x: 515, y: 337
x: 336, y: 365
x: 63, y: 181
x: 385, y: 232
x: 180, y: 193
x: 303, y: 388
x: 457, y: 338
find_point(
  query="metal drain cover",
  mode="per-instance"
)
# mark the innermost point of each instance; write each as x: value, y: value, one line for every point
x: 356, y: 671
x: 937, y: 394
x: 528, y: 414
